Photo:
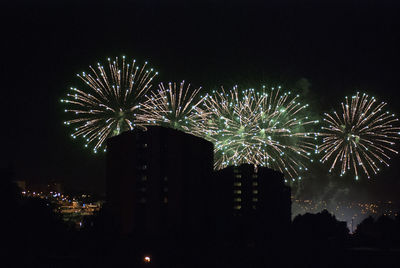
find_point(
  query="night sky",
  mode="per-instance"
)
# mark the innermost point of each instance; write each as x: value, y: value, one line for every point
x: 324, y: 51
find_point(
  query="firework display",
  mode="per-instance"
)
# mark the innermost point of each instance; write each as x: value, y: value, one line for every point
x: 108, y: 103
x: 266, y: 127
x: 360, y: 137
x: 172, y: 106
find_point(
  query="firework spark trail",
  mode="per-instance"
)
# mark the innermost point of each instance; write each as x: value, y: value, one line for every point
x: 261, y: 128
x: 172, y: 106
x: 108, y: 104
x: 360, y: 136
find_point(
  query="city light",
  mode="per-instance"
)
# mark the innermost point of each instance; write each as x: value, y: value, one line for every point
x: 71, y: 209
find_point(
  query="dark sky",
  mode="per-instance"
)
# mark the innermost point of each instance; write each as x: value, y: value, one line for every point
x: 338, y: 46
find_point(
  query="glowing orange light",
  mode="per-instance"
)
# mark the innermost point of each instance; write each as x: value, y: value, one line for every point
x: 147, y: 259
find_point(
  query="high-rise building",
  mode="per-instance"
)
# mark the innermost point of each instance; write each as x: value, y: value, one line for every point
x: 253, y: 203
x: 158, y: 183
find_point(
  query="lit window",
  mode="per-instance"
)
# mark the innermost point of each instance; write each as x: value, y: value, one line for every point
x: 144, y: 167
x: 238, y: 199
x: 255, y: 183
x: 144, y: 178
x: 254, y: 207
x: 255, y: 191
x: 255, y: 176
x: 255, y: 199
x: 237, y: 207
x: 237, y: 191
x: 165, y: 200
x: 237, y: 184
x: 238, y: 176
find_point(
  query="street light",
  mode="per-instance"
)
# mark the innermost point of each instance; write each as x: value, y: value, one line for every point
x: 147, y: 259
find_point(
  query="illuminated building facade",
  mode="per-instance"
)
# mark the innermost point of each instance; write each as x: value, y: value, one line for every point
x: 158, y: 183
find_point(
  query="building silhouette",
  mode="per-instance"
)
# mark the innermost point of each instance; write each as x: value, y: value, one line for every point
x: 163, y: 192
x: 158, y: 183
x: 253, y: 205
